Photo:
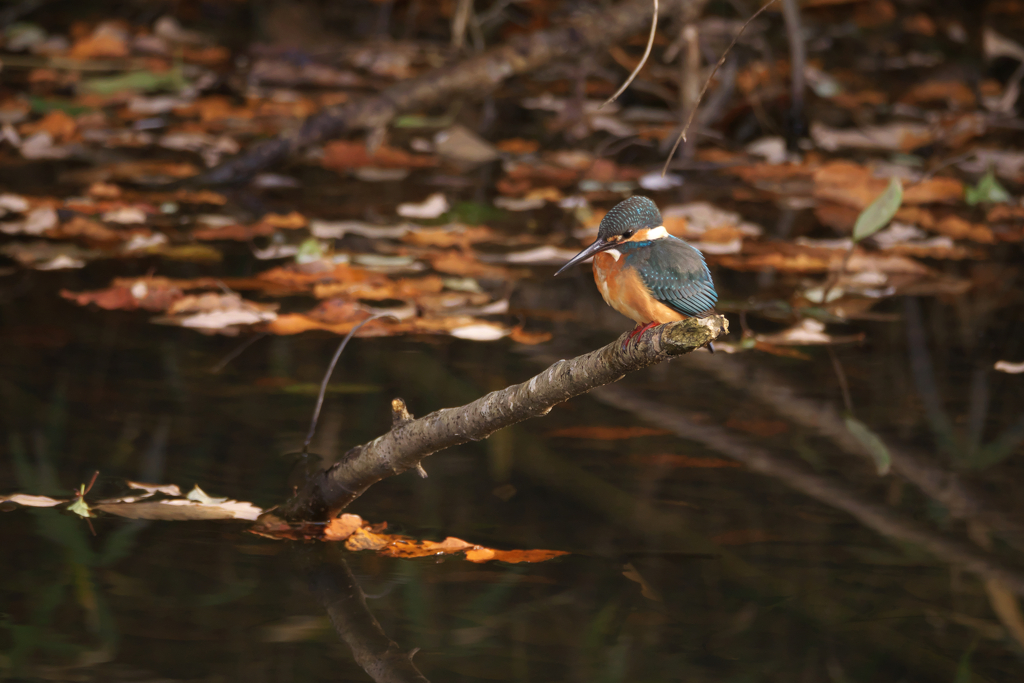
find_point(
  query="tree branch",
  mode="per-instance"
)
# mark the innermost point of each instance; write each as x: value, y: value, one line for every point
x: 409, y: 440
x: 475, y: 76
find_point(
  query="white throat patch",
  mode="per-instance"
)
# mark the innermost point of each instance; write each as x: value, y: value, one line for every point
x: 614, y: 253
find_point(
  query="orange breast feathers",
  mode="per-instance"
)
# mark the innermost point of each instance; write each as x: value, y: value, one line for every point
x: 623, y: 290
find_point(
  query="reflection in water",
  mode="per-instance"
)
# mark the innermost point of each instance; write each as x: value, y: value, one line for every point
x: 743, y: 578
x: 336, y: 588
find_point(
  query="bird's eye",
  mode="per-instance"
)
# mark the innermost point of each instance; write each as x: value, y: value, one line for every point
x: 626, y: 235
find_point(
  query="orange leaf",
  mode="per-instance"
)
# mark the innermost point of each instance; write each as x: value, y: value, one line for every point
x: 58, y: 124
x: 345, y: 154
x: 290, y: 221
x: 521, y: 336
x: 340, y: 528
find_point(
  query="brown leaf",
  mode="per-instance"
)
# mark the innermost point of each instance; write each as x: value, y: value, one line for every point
x: 290, y: 221
x: 606, y: 433
x: 346, y: 154
x: 521, y: 336
x: 83, y: 227
x: 463, y: 236
x: 465, y: 265
x: 518, y: 146
x: 952, y: 93
x: 340, y: 528
x: 849, y: 184
x: 57, y: 123
x: 127, y: 294
x: 99, y: 45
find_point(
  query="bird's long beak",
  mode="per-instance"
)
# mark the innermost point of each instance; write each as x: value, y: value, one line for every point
x: 594, y: 248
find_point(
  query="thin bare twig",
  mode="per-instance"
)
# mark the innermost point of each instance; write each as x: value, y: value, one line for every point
x: 327, y: 377
x: 643, y: 60
x: 721, y: 60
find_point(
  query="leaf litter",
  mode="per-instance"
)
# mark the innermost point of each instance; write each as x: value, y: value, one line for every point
x: 165, y: 88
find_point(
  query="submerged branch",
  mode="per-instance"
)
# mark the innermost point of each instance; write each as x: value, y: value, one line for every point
x: 410, y: 440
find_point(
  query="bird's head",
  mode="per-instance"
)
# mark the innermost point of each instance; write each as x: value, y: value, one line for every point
x: 632, y: 219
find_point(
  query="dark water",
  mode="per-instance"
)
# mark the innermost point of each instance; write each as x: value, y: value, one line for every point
x: 746, y: 578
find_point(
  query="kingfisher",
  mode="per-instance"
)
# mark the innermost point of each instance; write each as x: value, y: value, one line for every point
x: 645, y: 273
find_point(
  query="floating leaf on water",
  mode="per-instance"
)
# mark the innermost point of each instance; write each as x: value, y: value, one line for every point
x: 987, y: 191
x: 1009, y: 367
x: 431, y: 207
x: 30, y: 501
x: 878, y: 214
x: 480, y: 332
x: 872, y: 443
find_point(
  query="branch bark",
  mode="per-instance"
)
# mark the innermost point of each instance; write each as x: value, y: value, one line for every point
x: 475, y: 76
x: 411, y: 440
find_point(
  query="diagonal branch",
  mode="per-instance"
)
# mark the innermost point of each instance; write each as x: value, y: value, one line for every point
x: 409, y: 440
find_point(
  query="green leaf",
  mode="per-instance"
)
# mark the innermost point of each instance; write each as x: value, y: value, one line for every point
x: 987, y: 191
x: 871, y: 442
x: 309, y: 251
x: 138, y: 81
x: 80, y: 507
x: 880, y: 211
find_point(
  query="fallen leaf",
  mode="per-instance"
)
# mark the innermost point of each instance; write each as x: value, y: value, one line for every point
x: 182, y: 509
x: 431, y: 207
x: 28, y: 500
x: 466, y: 265
x: 151, y: 294
x: 878, y: 214
x: 350, y: 154
x: 290, y: 221
x: 846, y: 183
x: 60, y: 127
x: 1009, y: 367
x: 605, y: 433
x: 521, y: 336
x: 340, y: 528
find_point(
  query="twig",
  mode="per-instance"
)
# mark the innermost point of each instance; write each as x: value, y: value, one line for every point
x: 643, y: 60
x: 721, y: 60
x: 327, y: 377
x: 406, y: 445
x: 236, y: 352
x: 844, y: 386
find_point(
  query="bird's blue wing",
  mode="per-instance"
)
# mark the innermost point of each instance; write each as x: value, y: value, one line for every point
x: 677, y: 276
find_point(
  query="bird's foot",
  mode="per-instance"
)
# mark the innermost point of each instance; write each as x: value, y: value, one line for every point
x: 637, y: 332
